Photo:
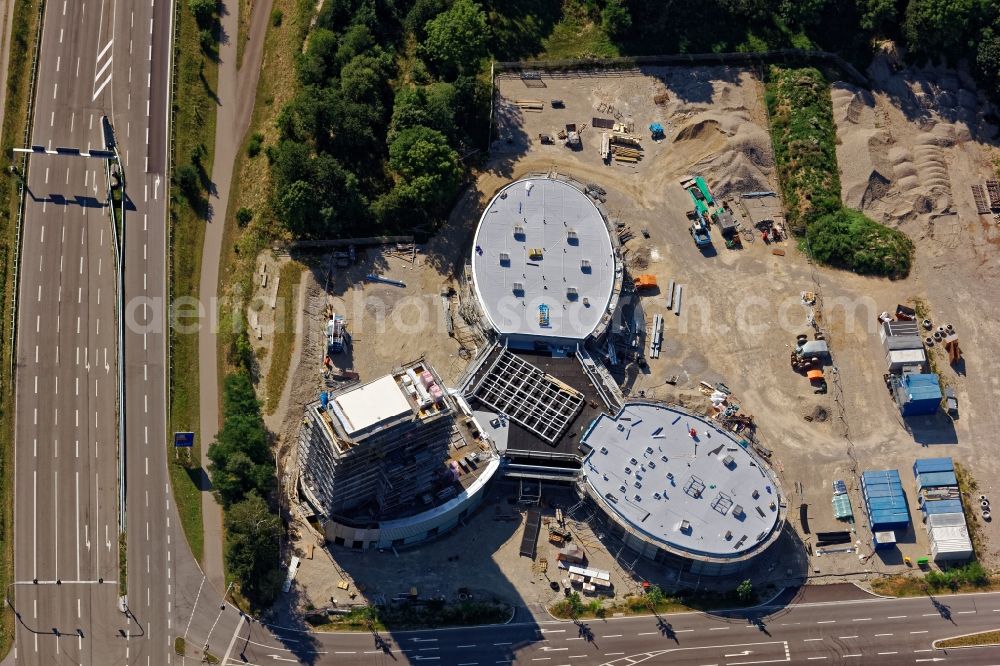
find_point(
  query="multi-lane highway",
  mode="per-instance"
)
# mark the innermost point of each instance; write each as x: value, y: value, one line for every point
x: 66, y: 443
x: 139, y: 109
x: 97, y: 58
x: 871, y: 631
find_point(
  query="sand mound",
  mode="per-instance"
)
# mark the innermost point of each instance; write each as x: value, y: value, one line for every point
x: 699, y: 131
x: 899, y: 155
x: 736, y: 174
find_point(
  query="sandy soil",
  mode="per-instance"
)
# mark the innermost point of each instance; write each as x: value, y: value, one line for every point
x: 909, y: 151
x: 742, y: 308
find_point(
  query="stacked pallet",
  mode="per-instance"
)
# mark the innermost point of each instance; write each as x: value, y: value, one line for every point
x: 993, y: 188
x: 980, y: 198
x: 626, y: 154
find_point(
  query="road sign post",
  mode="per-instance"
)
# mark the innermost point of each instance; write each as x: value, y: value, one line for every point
x: 183, y: 440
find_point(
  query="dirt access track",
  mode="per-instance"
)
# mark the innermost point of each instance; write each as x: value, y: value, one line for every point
x: 743, y: 308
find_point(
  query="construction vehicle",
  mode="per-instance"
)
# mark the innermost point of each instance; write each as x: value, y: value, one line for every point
x: 572, y: 137
x: 335, y: 333
x: 656, y: 132
x: 535, y: 253
x: 642, y: 282
x: 698, y: 189
x: 699, y: 232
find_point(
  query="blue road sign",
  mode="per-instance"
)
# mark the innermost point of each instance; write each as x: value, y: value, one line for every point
x: 183, y: 439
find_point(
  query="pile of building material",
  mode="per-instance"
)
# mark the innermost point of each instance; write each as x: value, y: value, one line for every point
x: 625, y: 147
x: 529, y: 104
x: 941, y: 505
x: 625, y: 154
x: 656, y: 337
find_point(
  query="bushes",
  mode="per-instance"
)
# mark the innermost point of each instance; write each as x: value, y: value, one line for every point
x: 848, y: 239
x: 969, y: 576
x: 803, y: 133
x: 804, y: 137
x: 241, y: 455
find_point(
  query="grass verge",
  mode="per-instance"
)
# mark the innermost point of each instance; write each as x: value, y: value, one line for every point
x: 566, y: 609
x: 194, y: 140
x: 967, y: 487
x: 973, y: 640
x: 251, y: 186
x: 284, y: 334
x: 407, y: 616
x: 122, y: 564
x: 804, y: 138
x: 23, y: 32
x: 969, y: 578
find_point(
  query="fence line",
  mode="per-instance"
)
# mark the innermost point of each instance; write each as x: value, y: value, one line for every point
x: 626, y: 63
x: 19, y: 223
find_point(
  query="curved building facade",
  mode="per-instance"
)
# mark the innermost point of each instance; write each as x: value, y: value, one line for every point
x: 680, y: 490
x: 545, y: 265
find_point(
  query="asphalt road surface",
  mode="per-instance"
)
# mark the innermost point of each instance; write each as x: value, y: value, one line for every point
x: 66, y: 491
x: 876, y: 631
x: 97, y: 58
x: 139, y: 109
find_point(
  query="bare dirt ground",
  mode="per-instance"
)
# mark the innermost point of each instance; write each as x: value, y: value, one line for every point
x: 742, y: 308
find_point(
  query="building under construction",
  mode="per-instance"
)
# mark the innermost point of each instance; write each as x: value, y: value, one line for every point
x: 395, y: 452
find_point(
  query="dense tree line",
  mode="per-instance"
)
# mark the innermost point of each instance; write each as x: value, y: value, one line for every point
x: 243, y: 477
x: 929, y: 29
x: 389, y: 99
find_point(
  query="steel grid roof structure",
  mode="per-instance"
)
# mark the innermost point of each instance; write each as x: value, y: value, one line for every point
x: 535, y: 400
x: 543, y: 264
x: 699, y: 494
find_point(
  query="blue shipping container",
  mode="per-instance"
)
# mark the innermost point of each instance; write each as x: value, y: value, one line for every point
x: 885, y: 500
x: 919, y: 394
x: 933, y: 465
x: 942, y: 506
x: 936, y: 480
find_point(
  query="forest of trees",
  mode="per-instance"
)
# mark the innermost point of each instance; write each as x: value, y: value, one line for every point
x: 393, y: 96
x: 389, y: 100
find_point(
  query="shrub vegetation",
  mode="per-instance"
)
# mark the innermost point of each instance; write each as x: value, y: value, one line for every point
x: 804, y: 138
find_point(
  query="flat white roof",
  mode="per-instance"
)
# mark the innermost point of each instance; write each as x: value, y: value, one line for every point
x: 371, y: 404
x: 702, y: 493
x: 548, y: 238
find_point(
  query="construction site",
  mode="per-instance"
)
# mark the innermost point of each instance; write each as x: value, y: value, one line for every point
x: 627, y: 245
